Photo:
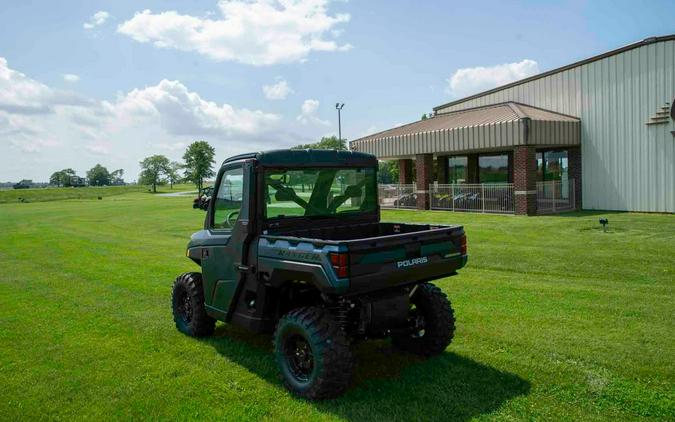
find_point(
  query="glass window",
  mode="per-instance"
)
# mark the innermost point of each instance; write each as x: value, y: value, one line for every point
x: 319, y: 192
x: 229, y: 199
x: 457, y: 172
x: 552, y: 165
x: 493, y: 168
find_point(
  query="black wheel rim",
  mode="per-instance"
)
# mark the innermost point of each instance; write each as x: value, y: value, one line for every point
x: 299, y: 357
x: 184, y: 307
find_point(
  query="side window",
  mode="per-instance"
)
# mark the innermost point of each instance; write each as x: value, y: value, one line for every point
x: 229, y: 199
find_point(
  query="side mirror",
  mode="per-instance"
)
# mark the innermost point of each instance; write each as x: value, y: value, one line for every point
x: 204, y: 204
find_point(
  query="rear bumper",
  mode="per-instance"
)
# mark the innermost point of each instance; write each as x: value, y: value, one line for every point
x: 389, y: 275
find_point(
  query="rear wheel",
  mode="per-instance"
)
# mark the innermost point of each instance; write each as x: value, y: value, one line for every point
x: 433, y: 309
x: 189, y: 311
x: 313, y: 354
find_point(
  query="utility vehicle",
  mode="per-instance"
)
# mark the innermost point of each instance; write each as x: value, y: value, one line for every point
x: 293, y: 245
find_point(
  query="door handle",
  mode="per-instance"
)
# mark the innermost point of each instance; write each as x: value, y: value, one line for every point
x: 242, y: 268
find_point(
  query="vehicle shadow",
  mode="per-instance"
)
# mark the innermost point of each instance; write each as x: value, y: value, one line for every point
x: 388, y: 384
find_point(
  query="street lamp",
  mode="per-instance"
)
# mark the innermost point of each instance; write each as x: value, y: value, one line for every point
x: 338, y: 107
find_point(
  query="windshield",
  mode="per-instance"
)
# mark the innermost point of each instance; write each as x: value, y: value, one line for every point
x: 319, y: 192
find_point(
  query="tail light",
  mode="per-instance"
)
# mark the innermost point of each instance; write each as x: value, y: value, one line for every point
x: 462, y: 245
x: 340, y: 263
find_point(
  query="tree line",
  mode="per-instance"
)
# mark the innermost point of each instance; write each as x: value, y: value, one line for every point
x: 199, y: 158
x: 96, y: 176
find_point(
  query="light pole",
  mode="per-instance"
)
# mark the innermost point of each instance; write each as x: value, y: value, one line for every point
x: 338, y: 107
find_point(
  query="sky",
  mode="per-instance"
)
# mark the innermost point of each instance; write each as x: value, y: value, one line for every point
x: 112, y: 82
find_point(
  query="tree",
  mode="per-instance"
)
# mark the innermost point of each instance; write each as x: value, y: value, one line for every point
x: 152, y: 170
x: 331, y: 142
x: 56, y: 179
x: 424, y: 116
x: 116, y: 177
x: 387, y: 171
x: 61, y: 178
x: 172, y: 172
x: 98, y: 176
x: 66, y: 175
x: 199, y: 162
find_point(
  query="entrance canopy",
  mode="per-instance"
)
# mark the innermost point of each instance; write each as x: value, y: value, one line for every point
x: 494, y: 127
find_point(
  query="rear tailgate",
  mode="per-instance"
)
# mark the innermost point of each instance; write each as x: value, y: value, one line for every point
x: 398, y: 259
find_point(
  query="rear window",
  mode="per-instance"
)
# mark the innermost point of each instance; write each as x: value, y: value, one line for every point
x: 319, y: 192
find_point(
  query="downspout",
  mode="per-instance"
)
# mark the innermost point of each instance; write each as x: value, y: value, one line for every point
x: 526, y: 130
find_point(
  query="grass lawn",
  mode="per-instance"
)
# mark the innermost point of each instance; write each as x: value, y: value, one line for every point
x: 89, y: 192
x: 556, y: 320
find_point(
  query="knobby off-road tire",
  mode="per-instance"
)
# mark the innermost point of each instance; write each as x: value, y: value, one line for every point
x: 189, y: 312
x: 327, y: 371
x: 439, y: 323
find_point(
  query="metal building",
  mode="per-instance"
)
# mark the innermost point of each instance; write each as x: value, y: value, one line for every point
x: 603, y: 125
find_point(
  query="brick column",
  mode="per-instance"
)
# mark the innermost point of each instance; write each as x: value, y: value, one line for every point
x: 525, y: 180
x: 442, y: 169
x: 472, y: 168
x: 574, y: 163
x: 405, y: 171
x: 424, y: 164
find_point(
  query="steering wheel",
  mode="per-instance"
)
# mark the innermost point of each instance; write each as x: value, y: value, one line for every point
x: 232, y: 218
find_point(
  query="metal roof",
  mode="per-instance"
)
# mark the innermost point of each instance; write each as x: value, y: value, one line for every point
x: 646, y: 41
x: 497, y: 126
x: 496, y: 113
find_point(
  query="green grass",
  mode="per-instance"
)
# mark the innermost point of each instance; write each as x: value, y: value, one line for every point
x: 57, y: 194
x: 556, y: 320
x: 89, y: 192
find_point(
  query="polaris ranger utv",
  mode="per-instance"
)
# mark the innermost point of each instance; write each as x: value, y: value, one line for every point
x: 293, y: 244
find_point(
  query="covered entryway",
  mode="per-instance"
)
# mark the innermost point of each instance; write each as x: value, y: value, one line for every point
x: 487, y: 159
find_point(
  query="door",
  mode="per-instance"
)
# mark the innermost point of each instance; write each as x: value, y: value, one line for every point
x: 227, y: 230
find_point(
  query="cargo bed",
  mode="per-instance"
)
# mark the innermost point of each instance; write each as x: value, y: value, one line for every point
x: 384, y: 255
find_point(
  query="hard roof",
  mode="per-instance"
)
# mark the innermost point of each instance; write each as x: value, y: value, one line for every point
x: 478, y: 116
x: 307, y: 158
x: 637, y: 44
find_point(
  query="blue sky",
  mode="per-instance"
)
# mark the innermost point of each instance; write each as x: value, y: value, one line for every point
x: 105, y: 82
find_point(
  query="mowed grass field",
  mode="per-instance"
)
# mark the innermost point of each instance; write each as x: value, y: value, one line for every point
x: 556, y: 320
x: 89, y: 192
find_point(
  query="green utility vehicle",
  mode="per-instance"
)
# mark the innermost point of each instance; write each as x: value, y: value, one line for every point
x: 293, y: 244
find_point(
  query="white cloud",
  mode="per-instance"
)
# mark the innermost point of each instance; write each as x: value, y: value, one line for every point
x: 277, y: 91
x: 98, y: 148
x: 256, y: 32
x: 62, y: 129
x: 70, y: 77
x: 34, y: 146
x: 181, y: 112
x: 22, y: 95
x: 308, y: 115
x: 472, y: 80
x: 97, y: 19
x: 176, y: 146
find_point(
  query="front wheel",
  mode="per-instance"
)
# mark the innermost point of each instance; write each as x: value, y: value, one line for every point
x: 313, y: 354
x: 189, y: 310
x: 432, y: 307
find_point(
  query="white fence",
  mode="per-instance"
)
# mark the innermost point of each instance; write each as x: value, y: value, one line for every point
x: 498, y: 198
x: 398, y: 196
x: 477, y: 197
x: 555, y: 196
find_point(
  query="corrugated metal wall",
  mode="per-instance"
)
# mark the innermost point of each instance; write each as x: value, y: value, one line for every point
x: 626, y: 164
